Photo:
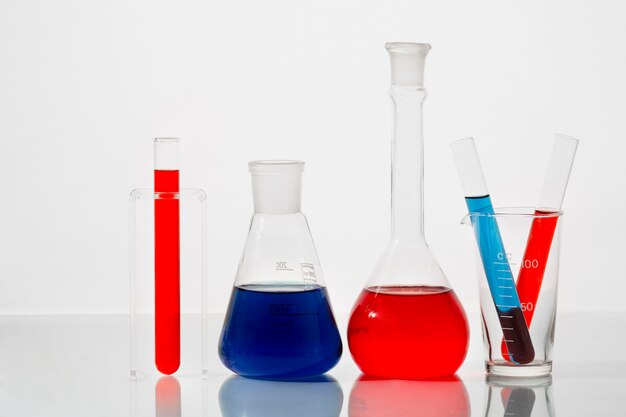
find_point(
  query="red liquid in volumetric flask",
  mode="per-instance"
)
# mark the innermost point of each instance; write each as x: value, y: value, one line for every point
x: 534, y: 265
x: 408, y: 332
x: 167, y: 271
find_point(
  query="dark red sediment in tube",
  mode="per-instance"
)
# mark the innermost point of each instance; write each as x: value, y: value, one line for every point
x: 533, y: 265
x: 167, y: 270
x: 517, y: 345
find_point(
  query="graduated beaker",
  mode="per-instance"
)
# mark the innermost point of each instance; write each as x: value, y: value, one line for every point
x: 279, y: 323
x: 504, y: 253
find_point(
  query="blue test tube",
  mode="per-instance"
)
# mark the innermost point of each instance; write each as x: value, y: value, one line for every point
x: 492, y: 253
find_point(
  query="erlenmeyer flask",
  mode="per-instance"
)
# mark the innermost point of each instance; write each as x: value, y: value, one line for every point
x: 279, y: 324
x: 407, y: 322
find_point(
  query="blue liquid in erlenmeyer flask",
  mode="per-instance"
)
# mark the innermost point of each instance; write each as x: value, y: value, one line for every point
x: 279, y: 332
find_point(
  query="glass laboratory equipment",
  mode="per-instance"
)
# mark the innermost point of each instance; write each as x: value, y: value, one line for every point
x: 504, y: 254
x: 168, y: 290
x: 518, y: 346
x: 519, y: 252
x: 408, y: 322
x: 279, y: 323
x: 167, y: 255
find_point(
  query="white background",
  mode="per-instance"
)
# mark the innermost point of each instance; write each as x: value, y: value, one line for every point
x: 85, y: 86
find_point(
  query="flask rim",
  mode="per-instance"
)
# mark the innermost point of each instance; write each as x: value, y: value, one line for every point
x: 275, y: 166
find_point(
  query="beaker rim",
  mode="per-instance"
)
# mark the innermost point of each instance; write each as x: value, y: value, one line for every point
x: 167, y: 139
x: 275, y: 166
x: 514, y: 382
x: 531, y: 212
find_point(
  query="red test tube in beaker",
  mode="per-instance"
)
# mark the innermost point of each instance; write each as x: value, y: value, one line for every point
x: 542, y: 229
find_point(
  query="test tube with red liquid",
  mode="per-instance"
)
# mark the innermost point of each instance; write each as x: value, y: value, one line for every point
x: 166, y: 255
x: 543, y: 226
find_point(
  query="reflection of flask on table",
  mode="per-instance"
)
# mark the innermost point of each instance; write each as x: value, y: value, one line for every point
x: 407, y: 322
x: 279, y: 323
x: 372, y: 397
x: 492, y: 252
x: 314, y: 397
x: 166, y: 255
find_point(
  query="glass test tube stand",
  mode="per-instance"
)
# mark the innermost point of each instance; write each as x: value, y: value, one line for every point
x: 193, y: 282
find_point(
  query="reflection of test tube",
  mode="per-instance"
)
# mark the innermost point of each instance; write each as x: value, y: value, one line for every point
x: 492, y: 253
x: 167, y: 401
x: 542, y: 228
x: 519, y: 401
x: 166, y: 255
x: 519, y: 397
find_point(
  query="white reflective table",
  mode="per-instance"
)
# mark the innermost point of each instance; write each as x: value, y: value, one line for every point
x: 78, y: 366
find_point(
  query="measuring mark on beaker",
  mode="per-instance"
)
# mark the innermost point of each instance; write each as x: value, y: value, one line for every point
x: 282, y: 266
x: 308, y: 273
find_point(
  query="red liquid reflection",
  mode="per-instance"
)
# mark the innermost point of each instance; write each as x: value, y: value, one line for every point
x: 442, y: 397
x: 167, y: 397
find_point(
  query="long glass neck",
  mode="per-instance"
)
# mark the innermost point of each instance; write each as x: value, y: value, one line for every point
x: 407, y: 164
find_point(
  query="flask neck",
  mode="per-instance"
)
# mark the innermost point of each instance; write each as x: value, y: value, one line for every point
x: 407, y: 164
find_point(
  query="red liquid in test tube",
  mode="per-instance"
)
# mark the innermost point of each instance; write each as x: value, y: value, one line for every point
x: 166, y: 256
x: 535, y: 260
x: 543, y: 227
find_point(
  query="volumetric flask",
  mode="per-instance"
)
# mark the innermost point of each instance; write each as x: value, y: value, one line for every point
x: 279, y: 324
x: 500, y: 259
x: 408, y: 322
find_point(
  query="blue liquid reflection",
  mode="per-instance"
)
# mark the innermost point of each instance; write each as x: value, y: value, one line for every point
x: 315, y: 397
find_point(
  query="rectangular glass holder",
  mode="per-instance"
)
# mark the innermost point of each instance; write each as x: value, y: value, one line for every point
x: 193, y: 282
